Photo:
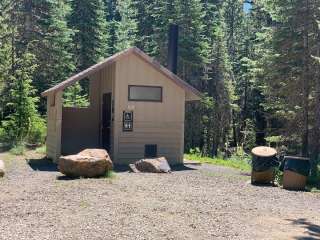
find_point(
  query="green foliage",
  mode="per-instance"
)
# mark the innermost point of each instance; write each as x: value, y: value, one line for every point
x: 18, y: 150
x: 110, y: 175
x: 232, y: 162
x: 40, y: 28
x: 126, y: 26
x: 38, y: 131
x: 41, y: 150
x: 195, y: 151
x: 241, y: 155
x: 53, y: 53
x: 2, y: 135
x: 249, y: 135
x: 74, y: 97
x: 274, y: 139
x: 278, y: 178
x: 88, y: 19
x: 22, y: 105
x: 285, y: 66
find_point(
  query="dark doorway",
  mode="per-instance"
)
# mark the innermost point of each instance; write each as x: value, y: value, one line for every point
x: 106, y: 121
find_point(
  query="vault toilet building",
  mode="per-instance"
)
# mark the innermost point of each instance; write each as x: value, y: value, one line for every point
x: 137, y: 110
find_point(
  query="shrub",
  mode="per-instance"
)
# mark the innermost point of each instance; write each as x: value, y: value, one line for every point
x: 110, y: 174
x: 37, y: 132
x: 2, y: 135
x: 195, y: 151
x: 41, y: 150
x: 241, y: 155
x: 18, y: 149
x: 278, y: 177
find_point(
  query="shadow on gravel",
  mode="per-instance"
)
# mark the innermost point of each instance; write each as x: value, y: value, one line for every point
x: 312, y: 230
x: 179, y: 168
x: 121, y: 168
x: 66, y: 178
x: 176, y: 168
x: 266, y: 185
x: 43, y: 164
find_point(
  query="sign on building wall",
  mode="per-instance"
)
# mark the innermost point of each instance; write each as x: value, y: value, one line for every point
x: 127, y: 121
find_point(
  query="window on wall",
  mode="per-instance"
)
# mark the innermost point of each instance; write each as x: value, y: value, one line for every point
x: 145, y: 93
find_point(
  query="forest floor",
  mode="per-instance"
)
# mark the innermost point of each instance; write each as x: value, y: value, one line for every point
x: 194, y: 202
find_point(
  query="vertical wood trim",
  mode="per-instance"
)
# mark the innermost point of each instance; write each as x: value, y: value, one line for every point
x: 49, y: 122
x: 117, y: 99
x: 101, y: 78
x: 182, y: 132
x: 58, y: 126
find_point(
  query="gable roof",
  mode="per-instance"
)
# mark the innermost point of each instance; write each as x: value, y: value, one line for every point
x: 134, y: 50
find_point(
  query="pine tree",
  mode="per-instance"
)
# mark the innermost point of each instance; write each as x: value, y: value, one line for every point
x: 5, y: 58
x: 126, y: 34
x: 146, y: 26
x: 88, y: 19
x: 288, y: 70
x: 219, y: 88
x: 55, y: 59
x: 211, y: 75
x: 112, y: 17
x: 40, y: 28
x: 316, y: 58
x: 188, y: 15
x: 22, y: 102
x: 74, y: 97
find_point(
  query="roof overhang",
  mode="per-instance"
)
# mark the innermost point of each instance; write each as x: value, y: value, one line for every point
x: 192, y: 94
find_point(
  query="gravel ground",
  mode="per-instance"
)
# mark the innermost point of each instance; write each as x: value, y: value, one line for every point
x: 198, y: 202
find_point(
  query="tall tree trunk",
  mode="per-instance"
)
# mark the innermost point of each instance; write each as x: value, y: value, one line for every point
x: 305, y: 82
x: 316, y: 150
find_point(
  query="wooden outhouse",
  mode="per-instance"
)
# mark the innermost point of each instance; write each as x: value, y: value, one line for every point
x: 137, y: 110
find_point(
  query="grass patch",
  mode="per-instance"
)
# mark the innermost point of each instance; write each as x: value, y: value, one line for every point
x: 236, y: 163
x: 18, y: 150
x: 314, y: 182
x: 313, y: 189
x: 41, y: 150
x: 110, y: 175
x: 84, y: 204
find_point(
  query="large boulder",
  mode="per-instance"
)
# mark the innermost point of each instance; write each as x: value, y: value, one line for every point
x: 2, y: 168
x: 88, y: 163
x: 154, y: 165
x: 98, y: 153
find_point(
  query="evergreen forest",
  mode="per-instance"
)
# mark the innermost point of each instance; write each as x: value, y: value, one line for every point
x: 257, y: 63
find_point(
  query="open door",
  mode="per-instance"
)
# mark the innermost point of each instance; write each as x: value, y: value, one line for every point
x: 106, y: 121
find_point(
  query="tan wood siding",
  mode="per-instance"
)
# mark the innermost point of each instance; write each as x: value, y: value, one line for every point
x: 160, y: 123
x: 54, y: 120
x: 107, y: 77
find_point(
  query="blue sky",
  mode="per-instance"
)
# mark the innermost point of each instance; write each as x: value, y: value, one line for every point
x: 247, y: 7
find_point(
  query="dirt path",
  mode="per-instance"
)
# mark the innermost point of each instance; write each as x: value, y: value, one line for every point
x: 204, y: 202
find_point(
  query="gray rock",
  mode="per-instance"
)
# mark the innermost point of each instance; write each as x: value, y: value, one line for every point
x: 2, y: 168
x: 83, y: 166
x: 155, y: 165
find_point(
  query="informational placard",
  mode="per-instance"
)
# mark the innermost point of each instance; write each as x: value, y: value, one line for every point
x: 127, y: 121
